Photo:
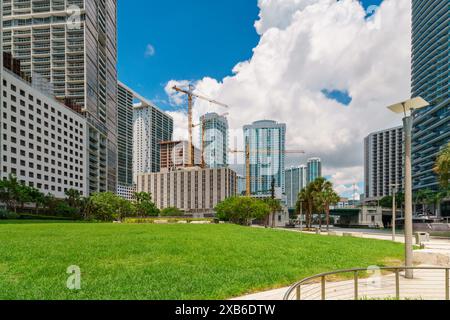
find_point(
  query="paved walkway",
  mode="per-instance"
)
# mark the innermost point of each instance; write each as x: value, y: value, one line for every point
x: 426, y: 285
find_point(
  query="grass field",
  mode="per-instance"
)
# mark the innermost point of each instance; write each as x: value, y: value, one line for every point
x: 169, y: 261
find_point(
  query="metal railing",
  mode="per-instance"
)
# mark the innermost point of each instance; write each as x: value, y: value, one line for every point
x: 375, y: 283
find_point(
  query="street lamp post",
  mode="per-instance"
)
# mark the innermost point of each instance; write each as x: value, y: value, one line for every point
x: 301, y: 216
x: 407, y: 108
x: 394, y: 212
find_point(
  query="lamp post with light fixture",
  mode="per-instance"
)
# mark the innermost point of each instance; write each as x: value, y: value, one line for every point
x: 407, y: 108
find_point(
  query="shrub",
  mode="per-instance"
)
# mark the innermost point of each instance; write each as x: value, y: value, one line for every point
x: 109, y: 207
x: 65, y: 210
x: 171, y: 212
x: 6, y: 215
x: 242, y: 210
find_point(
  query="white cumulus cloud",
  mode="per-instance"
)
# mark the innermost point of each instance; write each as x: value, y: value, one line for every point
x: 307, y: 46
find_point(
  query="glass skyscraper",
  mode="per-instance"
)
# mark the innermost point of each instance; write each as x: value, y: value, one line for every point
x: 430, y: 80
x: 295, y: 182
x: 215, y: 151
x: 267, y: 142
x: 314, y: 169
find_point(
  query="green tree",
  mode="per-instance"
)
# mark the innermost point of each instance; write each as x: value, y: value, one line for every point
x: 144, y: 205
x: 5, y: 194
x: 23, y: 195
x: 275, y: 206
x: 49, y: 202
x: 306, y: 200
x: 434, y: 199
x: 73, y: 198
x: 242, y: 210
x: 37, y: 198
x: 107, y: 206
x: 423, y: 197
x: 63, y: 209
x: 87, y: 209
x: 318, y: 186
x: 328, y: 197
x: 10, y: 192
x: 442, y: 167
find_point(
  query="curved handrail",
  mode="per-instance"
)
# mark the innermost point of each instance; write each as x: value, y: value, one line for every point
x: 308, y: 280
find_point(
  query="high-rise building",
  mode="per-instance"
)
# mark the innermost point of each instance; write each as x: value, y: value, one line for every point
x: 72, y: 45
x: 241, y: 185
x: 174, y: 155
x: 151, y: 126
x: 194, y: 190
x: 267, y: 142
x: 430, y: 80
x: 383, y: 163
x: 295, y: 182
x: 125, y: 98
x: 43, y: 143
x: 214, y: 140
x: 314, y: 169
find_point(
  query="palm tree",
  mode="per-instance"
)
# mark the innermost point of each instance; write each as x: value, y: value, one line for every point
x: 324, y: 197
x: 275, y: 206
x: 306, y: 200
x: 37, y: 197
x: 442, y: 167
x: 318, y: 188
x: 422, y: 197
x: 434, y: 199
x: 73, y: 197
x: 329, y: 198
x: 49, y: 202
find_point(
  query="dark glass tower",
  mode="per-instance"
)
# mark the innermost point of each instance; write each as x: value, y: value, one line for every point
x: 430, y: 80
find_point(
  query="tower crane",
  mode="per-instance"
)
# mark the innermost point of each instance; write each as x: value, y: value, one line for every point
x: 191, y: 95
x: 247, y: 164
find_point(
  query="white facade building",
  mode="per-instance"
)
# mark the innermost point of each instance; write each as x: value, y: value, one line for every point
x: 126, y: 192
x: 69, y: 47
x: 296, y: 181
x: 151, y: 126
x: 383, y: 163
x: 43, y: 143
x: 193, y: 190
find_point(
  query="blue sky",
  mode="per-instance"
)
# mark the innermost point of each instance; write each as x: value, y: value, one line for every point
x: 189, y: 40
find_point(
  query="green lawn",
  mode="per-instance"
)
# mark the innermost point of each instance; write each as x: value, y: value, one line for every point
x: 169, y: 261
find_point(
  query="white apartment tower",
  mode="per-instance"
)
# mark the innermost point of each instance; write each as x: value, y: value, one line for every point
x: 383, y: 163
x: 296, y: 181
x: 151, y: 126
x: 70, y: 48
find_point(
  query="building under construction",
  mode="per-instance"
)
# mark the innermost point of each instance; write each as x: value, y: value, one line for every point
x: 174, y: 155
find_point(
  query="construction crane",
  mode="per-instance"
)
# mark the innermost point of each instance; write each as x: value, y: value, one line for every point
x: 247, y: 165
x: 204, y: 134
x: 191, y: 95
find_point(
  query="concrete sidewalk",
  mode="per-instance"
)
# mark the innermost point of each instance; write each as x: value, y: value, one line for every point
x: 426, y: 285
